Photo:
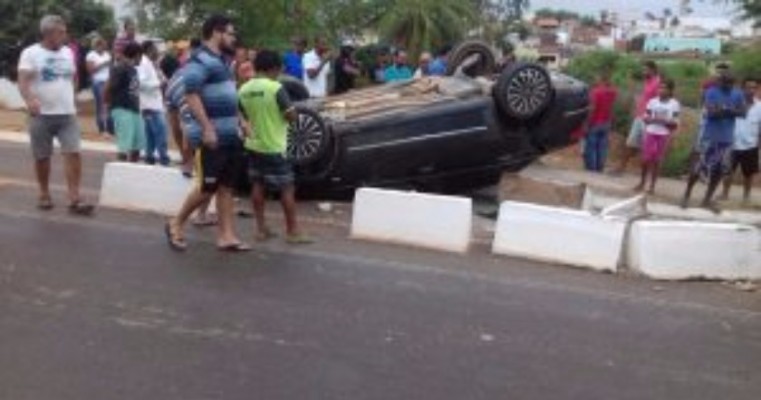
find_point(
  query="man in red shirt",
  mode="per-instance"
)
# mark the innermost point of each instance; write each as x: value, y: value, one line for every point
x: 603, y: 99
x: 650, y: 90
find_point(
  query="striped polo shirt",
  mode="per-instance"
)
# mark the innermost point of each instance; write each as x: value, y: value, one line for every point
x: 208, y: 75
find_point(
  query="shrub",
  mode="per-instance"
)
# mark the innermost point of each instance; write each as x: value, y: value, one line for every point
x: 747, y: 62
x: 623, y: 69
x: 688, y: 76
x: 677, y: 161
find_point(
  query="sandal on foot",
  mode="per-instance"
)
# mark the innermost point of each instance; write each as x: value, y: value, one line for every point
x: 265, y: 235
x: 298, y: 239
x: 176, y: 242
x: 235, y: 248
x: 45, y: 204
x: 82, y: 209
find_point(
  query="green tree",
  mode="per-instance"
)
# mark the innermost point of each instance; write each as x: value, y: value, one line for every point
x: 20, y: 24
x: 498, y: 18
x: 747, y: 62
x: 751, y: 9
x: 425, y: 24
x: 21, y: 18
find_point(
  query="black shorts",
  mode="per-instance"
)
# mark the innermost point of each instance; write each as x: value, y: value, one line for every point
x: 218, y: 167
x: 272, y: 170
x: 746, y: 160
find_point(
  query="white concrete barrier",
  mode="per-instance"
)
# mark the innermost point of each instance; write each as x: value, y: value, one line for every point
x: 687, y: 250
x: 416, y: 219
x: 556, y: 235
x: 10, y: 97
x: 143, y: 188
x: 595, y: 200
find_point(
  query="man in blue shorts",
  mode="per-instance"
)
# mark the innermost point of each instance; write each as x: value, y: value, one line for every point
x: 212, y: 100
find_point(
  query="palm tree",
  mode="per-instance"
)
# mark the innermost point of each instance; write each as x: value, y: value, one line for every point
x: 425, y: 24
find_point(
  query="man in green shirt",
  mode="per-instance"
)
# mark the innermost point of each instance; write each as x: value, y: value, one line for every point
x: 267, y: 106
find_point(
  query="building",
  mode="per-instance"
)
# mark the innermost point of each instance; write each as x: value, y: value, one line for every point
x: 702, y: 46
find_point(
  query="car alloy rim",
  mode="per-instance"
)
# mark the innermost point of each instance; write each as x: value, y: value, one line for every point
x: 527, y: 91
x: 304, y: 137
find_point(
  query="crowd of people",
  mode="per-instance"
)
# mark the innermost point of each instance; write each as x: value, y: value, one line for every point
x: 727, y: 140
x: 228, y: 112
x: 222, y: 103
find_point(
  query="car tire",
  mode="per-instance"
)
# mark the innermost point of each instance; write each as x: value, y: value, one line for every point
x: 523, y: 91
x: 308, y: 138
x: 295, y: 88
x: 486, y: 66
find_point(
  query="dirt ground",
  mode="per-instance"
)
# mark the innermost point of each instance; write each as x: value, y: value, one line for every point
x: 16, y: 120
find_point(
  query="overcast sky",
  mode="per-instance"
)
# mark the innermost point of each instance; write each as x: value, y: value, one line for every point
x: 631, y: 8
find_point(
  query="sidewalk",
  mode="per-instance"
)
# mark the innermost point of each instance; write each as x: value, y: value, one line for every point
x: 668, y: 190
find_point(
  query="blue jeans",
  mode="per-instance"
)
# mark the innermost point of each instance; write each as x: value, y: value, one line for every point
x: 155, y: 137
x: 596, y: 148
x: 102, y: 117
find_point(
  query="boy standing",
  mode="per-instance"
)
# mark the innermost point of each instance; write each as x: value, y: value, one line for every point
x: 123, y: 98
x: 603, y: 98
x: 661, y: 120
x: 747, y: 131
x: 266, y: 103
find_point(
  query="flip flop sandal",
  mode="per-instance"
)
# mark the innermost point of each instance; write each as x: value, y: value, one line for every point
x: 235, y: 248
x: 175, y: 243
x: 244, y: 213
x: 81, y: 209
x: 298, y: 239
x: 45, y: 204
x: 266, y: 235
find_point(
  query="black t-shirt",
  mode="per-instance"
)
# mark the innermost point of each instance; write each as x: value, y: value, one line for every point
x: 169, y: 65
x: 125, y: 87
x: 344, y: 80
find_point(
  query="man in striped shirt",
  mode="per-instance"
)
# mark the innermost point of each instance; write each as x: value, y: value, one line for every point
x: 212, y: 101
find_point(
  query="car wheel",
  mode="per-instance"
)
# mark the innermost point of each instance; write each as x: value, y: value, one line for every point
x: 295, y: 88
x: 308, y: 137
x: 474, y: 57
x: 523, y: 91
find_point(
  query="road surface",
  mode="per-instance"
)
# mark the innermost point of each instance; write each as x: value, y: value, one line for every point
x: 101, y: 309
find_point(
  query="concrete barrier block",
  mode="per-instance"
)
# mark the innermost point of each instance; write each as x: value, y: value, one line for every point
x: 416, y: 219
x: 556, y: 235
x: 143, y: 188
x: 635, y: 207
x: 689, y: 250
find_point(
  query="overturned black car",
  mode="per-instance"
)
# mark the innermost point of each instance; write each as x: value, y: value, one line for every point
x: 440, y: 134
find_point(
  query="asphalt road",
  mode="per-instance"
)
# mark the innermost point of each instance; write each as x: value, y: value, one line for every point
x: 101, y: 309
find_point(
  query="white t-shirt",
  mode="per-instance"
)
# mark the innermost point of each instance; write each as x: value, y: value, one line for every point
x: 151, y: 97
x: 748, y: 129
x: 318, y: 87
x: 668, y: 110
x: 103, y: 61
x: 54, y: 74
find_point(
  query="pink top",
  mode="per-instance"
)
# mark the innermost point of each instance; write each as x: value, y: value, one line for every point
x: 649, y: 92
